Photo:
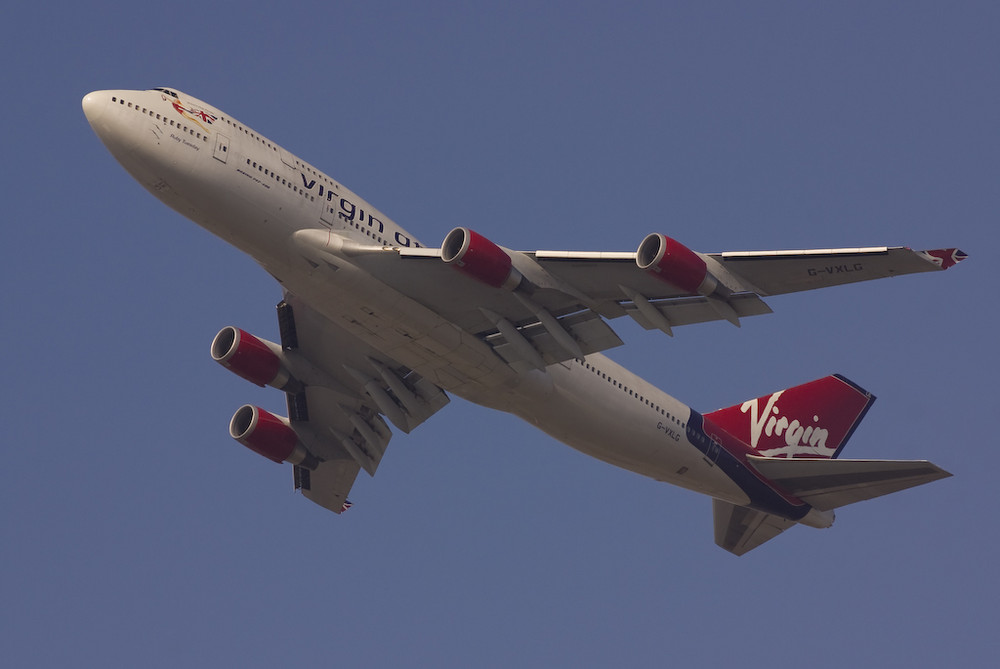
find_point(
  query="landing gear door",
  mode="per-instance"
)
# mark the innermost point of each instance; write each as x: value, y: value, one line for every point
x: 221, y: 147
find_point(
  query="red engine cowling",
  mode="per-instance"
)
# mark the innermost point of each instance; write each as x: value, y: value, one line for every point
x: 669, y: 260
x: 472, y: 254
x: 269, y: 435
x: 249, y: 357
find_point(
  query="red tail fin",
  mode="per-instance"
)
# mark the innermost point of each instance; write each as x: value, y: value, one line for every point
x: 813, y: 420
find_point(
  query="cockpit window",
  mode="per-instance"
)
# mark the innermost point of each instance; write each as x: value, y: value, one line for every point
x: 167, y: 91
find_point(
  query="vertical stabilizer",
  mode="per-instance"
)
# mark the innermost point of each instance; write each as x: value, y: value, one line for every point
x: 813, y: 420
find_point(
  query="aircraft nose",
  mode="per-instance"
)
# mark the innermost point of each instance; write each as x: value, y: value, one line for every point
x: 93, y: 107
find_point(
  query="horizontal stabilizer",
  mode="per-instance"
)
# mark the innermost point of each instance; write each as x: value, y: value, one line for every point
x: 831, y: 484
x: 739, y: 529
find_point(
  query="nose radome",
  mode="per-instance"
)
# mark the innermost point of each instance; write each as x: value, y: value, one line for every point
x: 93, y: 106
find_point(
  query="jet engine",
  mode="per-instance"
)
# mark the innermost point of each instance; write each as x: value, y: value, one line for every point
x: 669, y: 260
x: 270, y: 436
x: 472, y: 254
x: 256, y: 360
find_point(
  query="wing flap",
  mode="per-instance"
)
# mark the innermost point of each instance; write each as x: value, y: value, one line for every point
x: 690, y: 310
x: 831, y: 484
x: 587, y: 329
x: 739, y: 529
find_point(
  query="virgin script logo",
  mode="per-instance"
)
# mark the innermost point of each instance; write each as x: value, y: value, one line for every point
x: 798, y: 437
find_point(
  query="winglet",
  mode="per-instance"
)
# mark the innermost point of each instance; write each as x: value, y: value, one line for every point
x: 945, y: 258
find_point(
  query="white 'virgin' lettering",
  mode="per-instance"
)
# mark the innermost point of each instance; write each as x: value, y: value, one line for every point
x: 798, y: 437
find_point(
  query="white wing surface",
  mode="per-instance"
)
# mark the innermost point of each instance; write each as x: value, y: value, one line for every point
x: 550, y: 306
x: 777, y: 272
x: 350, y: 392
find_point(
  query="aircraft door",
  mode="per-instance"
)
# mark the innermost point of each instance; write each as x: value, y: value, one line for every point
x: 327, y: 214
x: 221, y: 147
x: 712, y: 452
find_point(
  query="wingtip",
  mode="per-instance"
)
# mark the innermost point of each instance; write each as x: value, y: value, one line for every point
x: 945, y: 258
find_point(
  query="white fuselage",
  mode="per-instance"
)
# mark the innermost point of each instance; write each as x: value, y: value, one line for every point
x: 255, y: 195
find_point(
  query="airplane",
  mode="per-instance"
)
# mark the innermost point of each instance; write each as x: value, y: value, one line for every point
x: 376, y: 329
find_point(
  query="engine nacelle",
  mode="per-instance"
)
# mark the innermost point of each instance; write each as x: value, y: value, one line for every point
x: 270, y: 436
x: 669, y: 260
x: 249, y: 357
x: 476, y: 256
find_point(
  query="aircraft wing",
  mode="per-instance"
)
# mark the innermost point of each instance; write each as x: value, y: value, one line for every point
x: 778, y: 272
x: 349, y: 391
x: 542, y: 307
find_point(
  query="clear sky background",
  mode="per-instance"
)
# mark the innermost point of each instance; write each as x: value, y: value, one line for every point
x: 135, y: 532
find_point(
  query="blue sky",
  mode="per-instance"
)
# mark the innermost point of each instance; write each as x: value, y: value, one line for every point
x: 135, y: 532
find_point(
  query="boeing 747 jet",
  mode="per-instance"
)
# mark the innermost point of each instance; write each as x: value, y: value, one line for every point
x: 377, y: 329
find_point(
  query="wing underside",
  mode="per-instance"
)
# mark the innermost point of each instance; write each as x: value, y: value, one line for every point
x: 562, y: 313
x: 779, y: 272
x: 351, y: 395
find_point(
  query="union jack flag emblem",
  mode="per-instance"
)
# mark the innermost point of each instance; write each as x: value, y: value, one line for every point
x: 946, y: 258
x: 196, y: 116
